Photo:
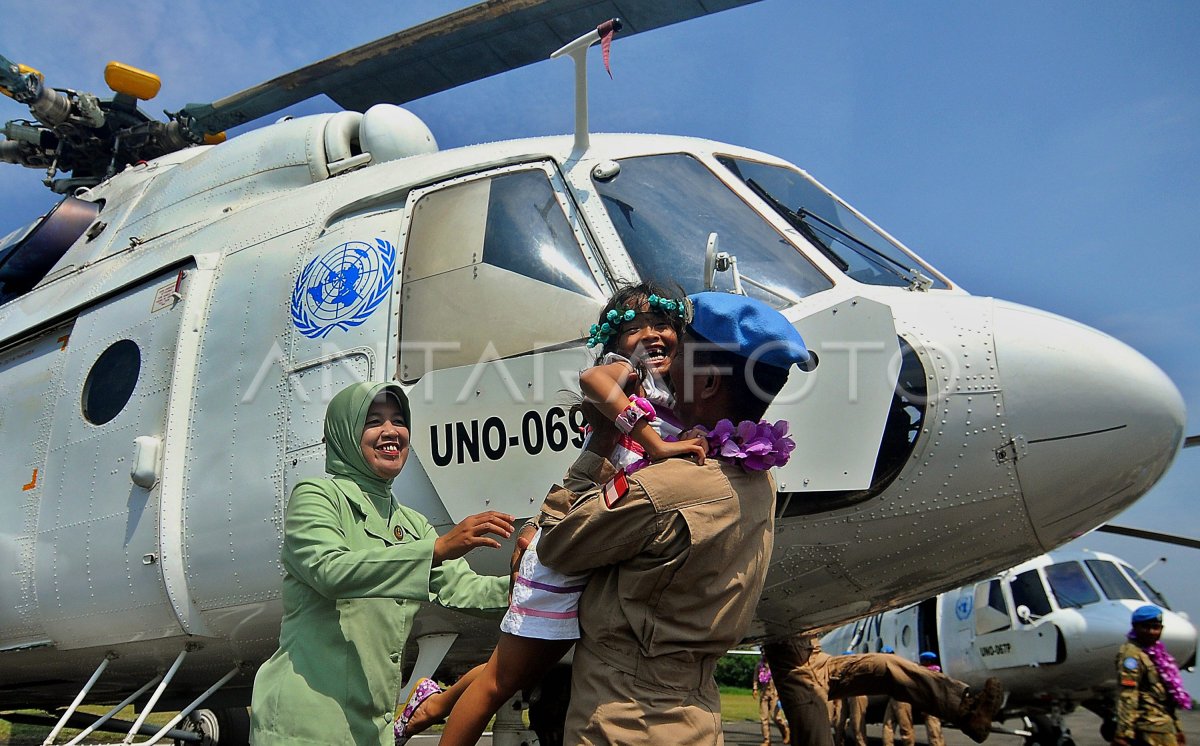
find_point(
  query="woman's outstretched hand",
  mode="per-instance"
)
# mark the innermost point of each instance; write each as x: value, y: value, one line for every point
x: 524, y: 539
x: 471, y: 532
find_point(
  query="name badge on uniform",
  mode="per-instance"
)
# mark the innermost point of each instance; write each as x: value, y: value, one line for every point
x: 617, y: 488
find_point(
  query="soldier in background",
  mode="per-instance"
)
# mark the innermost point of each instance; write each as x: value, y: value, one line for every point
x: 933, y: 726
x: 1149, y: 689
x: 897, y: 717
x: 854, y: 721
x: 768, y: 703
x: 837, y: 717
x: 807, y: 678
x: 898, y: 720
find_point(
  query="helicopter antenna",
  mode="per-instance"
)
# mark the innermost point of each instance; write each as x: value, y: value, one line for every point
x: 1142, y: 572
x: 578, y: 50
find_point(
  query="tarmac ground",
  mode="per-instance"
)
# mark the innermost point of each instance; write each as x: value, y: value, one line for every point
x: 1083, y: 726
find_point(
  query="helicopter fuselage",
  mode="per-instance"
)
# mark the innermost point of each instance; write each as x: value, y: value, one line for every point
x: 165, y: 384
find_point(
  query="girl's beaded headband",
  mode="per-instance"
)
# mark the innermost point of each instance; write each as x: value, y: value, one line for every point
x: 599, y: 334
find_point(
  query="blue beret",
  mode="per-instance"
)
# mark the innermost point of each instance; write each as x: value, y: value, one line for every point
x: 1147, y: 613
x: 888, y: 649
x: 927, y: 655
x: 749, y: 328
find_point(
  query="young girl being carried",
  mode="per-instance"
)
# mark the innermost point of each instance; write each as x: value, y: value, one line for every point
x: 637, y: 333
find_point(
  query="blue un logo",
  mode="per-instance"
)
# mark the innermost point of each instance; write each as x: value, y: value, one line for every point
x: 964, y: 606
x: 342, y: 288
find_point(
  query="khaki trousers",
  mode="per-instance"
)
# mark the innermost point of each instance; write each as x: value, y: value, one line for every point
x: 768, y: 697
x: 898, y: 719
x: 933, y: 729
x: 854, y: 721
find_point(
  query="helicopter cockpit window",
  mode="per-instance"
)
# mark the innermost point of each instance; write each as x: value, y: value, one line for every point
x: 665, y: 206
x: 862, y: 252
x: 493, y: 268
x: 991, y: 610
x: 27, y: 255
x: 1027, y: 590
x: 1070, y: 585
x: 528, y: 234
x: 1111, y: 581
x: 1151, y: 592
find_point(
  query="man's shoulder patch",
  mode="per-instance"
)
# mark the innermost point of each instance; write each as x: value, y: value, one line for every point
x: 1128, y: 672
x: 615, y: 489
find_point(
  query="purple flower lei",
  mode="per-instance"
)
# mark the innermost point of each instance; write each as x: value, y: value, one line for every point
x: 1168, y: 671
x: 753, y: 446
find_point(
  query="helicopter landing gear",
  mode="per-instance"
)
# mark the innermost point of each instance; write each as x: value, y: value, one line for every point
x: 225, y: 727
x: 1048, y: 730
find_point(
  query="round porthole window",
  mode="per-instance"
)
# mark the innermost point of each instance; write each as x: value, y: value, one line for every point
x: 111, y: 381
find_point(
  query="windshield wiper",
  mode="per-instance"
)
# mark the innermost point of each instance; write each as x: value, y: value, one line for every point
x: 903, y: 272
x: 796, y: 220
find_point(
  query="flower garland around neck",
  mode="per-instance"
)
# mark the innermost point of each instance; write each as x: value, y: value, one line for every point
x: 754, y: 446
x: 1168, y: 671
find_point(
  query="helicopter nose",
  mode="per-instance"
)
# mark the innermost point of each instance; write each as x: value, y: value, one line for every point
x: 1095, y: 422
x: 1179, y: 636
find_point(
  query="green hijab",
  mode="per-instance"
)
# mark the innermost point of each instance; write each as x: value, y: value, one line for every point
x: 344, y: 421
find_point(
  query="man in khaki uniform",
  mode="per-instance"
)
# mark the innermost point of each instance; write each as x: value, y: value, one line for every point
x: 807, y: 677
x: 678, y: 552
x: 933, y: 725
x: 769, y: 711
x: 897, y: 717
x: 837, y: 717
x: 853, y: 726
x: 1149, y: 692
x: 898, y: 720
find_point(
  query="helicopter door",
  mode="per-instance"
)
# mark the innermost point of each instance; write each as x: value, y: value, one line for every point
x: 853, y: 384
x: 34, y: 368
x: 97, y: 565
x: 500, y: 287
x: 1001, y: 645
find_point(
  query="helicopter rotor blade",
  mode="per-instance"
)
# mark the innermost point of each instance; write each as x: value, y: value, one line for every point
x: 1141, y: 533
x: 467, y: 45
x: 1191, y: 440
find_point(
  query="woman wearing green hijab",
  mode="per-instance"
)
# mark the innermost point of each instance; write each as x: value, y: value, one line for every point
x: 356, y: 564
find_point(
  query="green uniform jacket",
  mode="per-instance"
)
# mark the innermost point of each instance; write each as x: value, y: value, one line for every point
x: 356, y: 565
x: 1143, y: 705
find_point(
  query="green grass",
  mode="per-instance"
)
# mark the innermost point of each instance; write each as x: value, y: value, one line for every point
x: 738, y: 704
x: 19, y: 734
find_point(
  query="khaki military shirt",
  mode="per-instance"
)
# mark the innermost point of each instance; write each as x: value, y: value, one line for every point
x: 679, y: 553
x: 1143, y: 705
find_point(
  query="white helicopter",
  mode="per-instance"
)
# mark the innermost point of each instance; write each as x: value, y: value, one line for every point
x: 1048, y: 628
x: 170, y: 332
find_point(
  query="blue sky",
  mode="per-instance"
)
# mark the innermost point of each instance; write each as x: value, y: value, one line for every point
x: 1044, y: 153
